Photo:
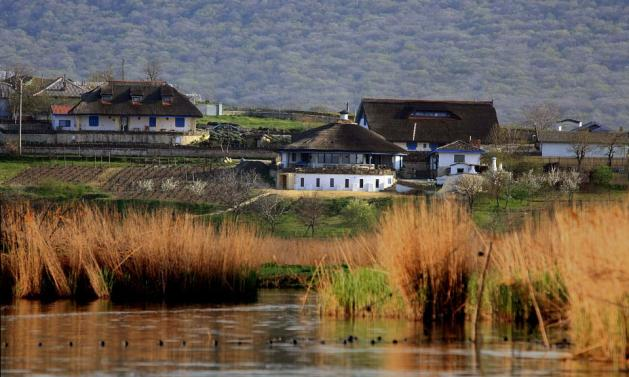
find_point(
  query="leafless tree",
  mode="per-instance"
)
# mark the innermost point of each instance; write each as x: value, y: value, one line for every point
x: 153, y: 70
x: 541, y: 117
x: 310, y: 209
x: 570, y: 183
x: 271, y: 208
x: 469, y: 186
x: 613, y: 143
x: 581, y: 145
x: 102, y: 76
x: 233, y: 188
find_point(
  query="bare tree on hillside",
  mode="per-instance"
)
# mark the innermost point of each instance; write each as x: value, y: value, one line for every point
x: 271, y: 208
x: 310, y: 209
x: 541, y: 117
x: 153, y: 70
x: 581, y: 146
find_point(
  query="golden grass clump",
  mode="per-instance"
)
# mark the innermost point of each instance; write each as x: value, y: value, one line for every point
x: 140, y: 255
x: 425, y: 251
x: 584, y: 255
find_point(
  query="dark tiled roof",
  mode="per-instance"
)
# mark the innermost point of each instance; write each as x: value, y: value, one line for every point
x: 590, y: 137
x: 151, y: 103
x: 392, y: 118
x: 458, y: 146
x: 343, y: 136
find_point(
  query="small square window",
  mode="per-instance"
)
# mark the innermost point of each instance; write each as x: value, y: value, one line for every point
x: 180, y: 122
x: 152, y: 121
x: 93, y: 120
x: 460, y: 170
x: 331, y: 182
x: 459, y: 158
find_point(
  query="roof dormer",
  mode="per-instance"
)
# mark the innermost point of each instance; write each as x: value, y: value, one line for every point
x: 106, y: 95
x: 166, y: 93
x: 136, y: 96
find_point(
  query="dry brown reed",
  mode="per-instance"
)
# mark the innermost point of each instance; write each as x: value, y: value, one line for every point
x: 584, y: 254
x: 94, y: 251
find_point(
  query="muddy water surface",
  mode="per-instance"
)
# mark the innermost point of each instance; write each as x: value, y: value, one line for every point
x: 278, y: 335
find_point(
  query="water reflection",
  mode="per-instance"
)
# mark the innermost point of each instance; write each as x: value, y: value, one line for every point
x: 277, y: 336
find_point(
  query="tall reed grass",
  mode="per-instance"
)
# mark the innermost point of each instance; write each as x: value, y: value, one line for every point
x: 88, y: 251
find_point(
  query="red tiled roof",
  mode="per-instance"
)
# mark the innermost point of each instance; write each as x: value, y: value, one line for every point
x: 61, y: 109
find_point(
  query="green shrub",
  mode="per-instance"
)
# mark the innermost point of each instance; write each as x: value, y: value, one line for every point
x: 359, y: 214
x: 602, y: 175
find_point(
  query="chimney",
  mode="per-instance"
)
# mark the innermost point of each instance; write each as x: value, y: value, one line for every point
x: 344, y: 113
x: 493, y: 167
x: 559, y: 127
x: 580, y: 124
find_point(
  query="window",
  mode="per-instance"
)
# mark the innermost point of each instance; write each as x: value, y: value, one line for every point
x: 65, y: 123
x: 331, y: 182
x: 180, y: 122
x: 360, y: 184
x: 152, y: 122
x: 136, y: 99
x: 459, y: 158
x: 318, y: 182
x: 377, y: 183
x: 459, y: 170
x: 303, y: 184
x: 93, y: 120
x: 411, y: 146
x: 431, y: 114
x: 106, y: 97
x: 389, y: 181
x: 346, y: 183
x: 167, y: 100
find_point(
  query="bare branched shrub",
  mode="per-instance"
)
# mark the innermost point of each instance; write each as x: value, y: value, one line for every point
x: 169, y: 184
x: 146, y: 185
x: 233, y: 188
x: 271, y: 209
x: 197, y: 187
x: 310, y: 209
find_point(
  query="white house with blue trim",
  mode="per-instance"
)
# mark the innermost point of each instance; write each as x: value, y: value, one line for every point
x: 454, y: 159
x: 134, y: 106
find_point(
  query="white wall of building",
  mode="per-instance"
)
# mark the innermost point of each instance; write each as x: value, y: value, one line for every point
x: 135, y: 123
x: 422, y: 146
x: 55, y: 118
x: 447, y: 158
x: 565, y: 150
x: 369, y: 182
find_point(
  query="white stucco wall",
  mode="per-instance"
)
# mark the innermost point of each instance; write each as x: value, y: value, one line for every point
x: 55, y: 118
x: 565, y: 150
x: 112, y: 123
x: 369, y: 182
x: 446, y: 159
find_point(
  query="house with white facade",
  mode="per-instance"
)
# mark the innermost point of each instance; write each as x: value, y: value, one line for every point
x: 339, y: 156
x: 148, y: 106
x: 455, y: 159
x: 61, y: 119
x: 564, y: 143
x: 422, y: 126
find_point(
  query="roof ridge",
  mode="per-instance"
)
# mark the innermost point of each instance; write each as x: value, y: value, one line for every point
x: 411, y: 100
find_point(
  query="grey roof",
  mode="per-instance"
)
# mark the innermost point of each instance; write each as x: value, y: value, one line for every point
x: 459, y: 146
x: 454, y: 120
x: 153, y: 94
x: 63, y: 87
x: 590, y: 137
x: 343, y: 136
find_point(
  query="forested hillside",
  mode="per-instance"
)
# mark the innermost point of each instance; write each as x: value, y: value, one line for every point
x: 300, y: 54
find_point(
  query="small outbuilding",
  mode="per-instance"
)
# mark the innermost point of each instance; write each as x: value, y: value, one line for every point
x: 455, y: 158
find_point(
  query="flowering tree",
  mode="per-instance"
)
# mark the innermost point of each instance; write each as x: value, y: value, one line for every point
x: 469, y: 186
x: 498, y: 183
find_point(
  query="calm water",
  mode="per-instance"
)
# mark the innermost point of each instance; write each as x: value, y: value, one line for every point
x: 243, y: 333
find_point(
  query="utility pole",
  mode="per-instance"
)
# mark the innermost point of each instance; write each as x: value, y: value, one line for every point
x: 20, y: 132
x: 122, y: 72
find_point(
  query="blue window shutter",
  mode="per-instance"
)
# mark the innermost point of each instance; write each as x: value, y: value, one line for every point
x: 411, y: 146
x: 152, y: 121
x: 93, y: 120
x: 180, y: 122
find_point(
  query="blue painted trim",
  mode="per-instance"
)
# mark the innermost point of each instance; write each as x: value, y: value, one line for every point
x: 93, y: 120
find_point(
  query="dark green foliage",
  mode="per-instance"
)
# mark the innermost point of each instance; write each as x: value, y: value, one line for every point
x: 304, y: 54
x: 602, y: 175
